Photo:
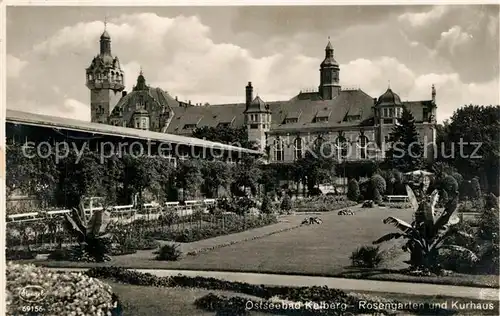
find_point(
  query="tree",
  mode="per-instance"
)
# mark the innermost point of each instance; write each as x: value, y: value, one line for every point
x: 189, y: 177
x: 353, y: 190
x: 269, y: 179
x: 31, y: 172
x: 80, y: 176
x: 316, y: 169
x: 245, y: 175
x: 215, y: 174
x: 225, y: 134
x: 476, y: 128
x: 140, y: 174
x: 406, y: 151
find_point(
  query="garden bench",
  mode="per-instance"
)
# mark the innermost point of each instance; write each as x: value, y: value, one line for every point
x: 397, y: 198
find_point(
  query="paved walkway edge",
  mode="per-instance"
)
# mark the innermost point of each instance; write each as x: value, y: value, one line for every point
x: 337, y: 283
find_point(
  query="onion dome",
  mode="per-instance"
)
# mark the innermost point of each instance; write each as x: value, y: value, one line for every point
x: 389, y: 98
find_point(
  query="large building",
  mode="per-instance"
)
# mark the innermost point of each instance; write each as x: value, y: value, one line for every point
x: 284, y: 129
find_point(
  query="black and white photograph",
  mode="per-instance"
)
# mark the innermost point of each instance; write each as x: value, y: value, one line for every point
x: 250, y: 159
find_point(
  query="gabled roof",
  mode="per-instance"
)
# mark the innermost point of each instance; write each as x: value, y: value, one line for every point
x: 162, y: 98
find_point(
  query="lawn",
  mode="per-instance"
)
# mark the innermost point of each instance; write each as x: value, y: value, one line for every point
x: 309, y: 250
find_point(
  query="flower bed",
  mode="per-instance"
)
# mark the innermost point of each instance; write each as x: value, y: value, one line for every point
x: 267, y: 293
x: 233, y: 224
x: 322, y: 204
x: 62, y: 293
x: 230, y: 243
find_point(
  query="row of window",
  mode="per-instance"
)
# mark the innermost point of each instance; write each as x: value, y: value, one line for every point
x: 255, y: 118
x: 392, y: 112
x: 298, y: 147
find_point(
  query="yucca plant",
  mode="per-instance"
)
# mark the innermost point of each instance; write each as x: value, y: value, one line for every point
x: 429, y: 231
x: 93, y: 236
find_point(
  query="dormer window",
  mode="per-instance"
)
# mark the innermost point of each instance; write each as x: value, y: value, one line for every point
x: 291, y: 120
x: 323, y: 115
x: 225, y: 124
x: 189, y: 126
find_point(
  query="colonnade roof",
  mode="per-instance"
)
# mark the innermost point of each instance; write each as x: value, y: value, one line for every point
x: 25, y: 118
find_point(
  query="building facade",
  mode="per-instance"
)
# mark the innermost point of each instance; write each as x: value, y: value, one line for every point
x: 347, y: 124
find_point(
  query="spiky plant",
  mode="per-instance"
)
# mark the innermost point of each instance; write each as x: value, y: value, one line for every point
x: 93, y: 236
x: 428, y: 233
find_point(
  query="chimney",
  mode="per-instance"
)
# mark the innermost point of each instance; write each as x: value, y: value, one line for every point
x: 124, y: 93
x: 249, y: 94
x: 176, y: 98
x: 189, y: 102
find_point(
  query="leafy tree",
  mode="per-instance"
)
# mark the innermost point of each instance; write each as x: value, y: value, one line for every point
x: 406, y: 151
x: 269, y: 179
x: 189, y: 176
x: 472, y: 125
x: 141, y: 173
x: 80, y: 176
x: 31, y: 173
x: 353, y: 192
x: 225, y: 134
x: 316, y: 169
x: 215, y: 174
x: 167, y: 172
x: 113, y: 181
x: 246, y: 175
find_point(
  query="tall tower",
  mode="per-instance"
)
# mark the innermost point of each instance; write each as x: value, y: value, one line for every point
x: 329, y: 86
x: 105, y: 81
x: 257, y: 118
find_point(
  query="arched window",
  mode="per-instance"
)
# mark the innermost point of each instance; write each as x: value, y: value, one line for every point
x: 297, y: 148
x: 342, y: 146
x: 279, y: 152
x: 363, y: 143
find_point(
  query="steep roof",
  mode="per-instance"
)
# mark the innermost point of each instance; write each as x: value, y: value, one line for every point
x: 160, y: 96
x: 304, y: 107
x: 389, y: 98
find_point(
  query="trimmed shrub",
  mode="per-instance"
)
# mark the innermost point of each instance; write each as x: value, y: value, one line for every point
x: 488, y: 224
x: 65, y: 292
x: 266, y: 207
x: 378, y: 183
x: 475, y: 189
x: 450, y: 185
x: 353, y: 190
x: 169, y: 253
x: 491, y: 202
x: 19, y: 254
x: 368, y: 204
x: 366, y: 257
x: 286, y: 203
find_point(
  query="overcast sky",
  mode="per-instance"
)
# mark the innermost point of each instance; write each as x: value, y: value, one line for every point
x: 208, y: 54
